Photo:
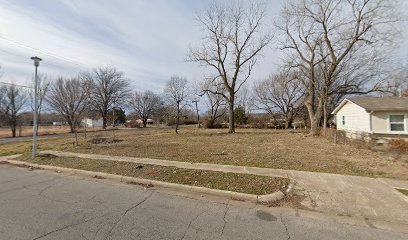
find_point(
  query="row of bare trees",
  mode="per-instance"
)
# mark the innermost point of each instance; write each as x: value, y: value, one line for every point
x: 100, y: 90
x: 332, y: 48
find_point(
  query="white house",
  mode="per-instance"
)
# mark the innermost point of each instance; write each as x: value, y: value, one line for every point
x: 383, y: 117
x: 92, y: 123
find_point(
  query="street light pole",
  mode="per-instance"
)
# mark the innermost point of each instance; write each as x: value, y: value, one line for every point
x: 198, y: 115
x: 35, y: 123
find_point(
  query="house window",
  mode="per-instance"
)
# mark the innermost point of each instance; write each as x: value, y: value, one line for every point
x: 397, y: 123
x: 343, y: 120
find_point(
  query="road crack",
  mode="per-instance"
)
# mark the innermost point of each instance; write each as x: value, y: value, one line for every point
x: 68, y: 226
x: 26, y: 186
x: 190, y: 223
x: 124, y: 214
x: 286, y: 227
x: 224, y: 217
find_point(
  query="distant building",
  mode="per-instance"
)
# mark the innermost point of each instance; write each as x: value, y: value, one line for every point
x: 92, y: 123
x: 384, y: 117
x: 149, y: 121
x: 55, y: 124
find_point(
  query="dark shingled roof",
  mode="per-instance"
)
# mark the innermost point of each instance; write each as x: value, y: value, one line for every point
x: 381, y: 103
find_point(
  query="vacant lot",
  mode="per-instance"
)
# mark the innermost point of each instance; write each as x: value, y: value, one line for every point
x: 248, y: 147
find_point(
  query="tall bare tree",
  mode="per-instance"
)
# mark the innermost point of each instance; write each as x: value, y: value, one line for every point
x: 144, y: 104
x: 14, y: 100
x: 43, y: 88
x: 69, y: 97
x: 281, y: 93
x: 109, y: 88
x: 177, y: 92
x: 324, y: 37
x: 235, y: 36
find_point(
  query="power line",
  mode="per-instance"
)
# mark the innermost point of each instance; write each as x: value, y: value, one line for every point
x: 17, y: 44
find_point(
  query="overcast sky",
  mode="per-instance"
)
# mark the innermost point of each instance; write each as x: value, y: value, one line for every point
x: 148, y: 40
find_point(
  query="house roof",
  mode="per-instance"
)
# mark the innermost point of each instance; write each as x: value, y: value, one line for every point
x: 377, y: 103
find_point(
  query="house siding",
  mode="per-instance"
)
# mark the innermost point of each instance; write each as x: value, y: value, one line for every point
x: 380, y: 122
x: 357, y: 119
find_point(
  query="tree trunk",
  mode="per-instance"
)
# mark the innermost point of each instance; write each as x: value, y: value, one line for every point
x: 314, y: 117
x: 76, y: 137
x: 104, y: 121
x: 325, y: 111
x: 13, y: 131
x: 144, y: 122
x: 231, y: 115
x: 71, y: 126
x: 324, y: 115
x: 178, y: 117
x: 289, y: 122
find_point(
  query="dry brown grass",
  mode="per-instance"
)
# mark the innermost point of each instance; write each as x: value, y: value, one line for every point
x: 249, y: 147
x: 403, y: 191
x: 399, y: 145
x: 244, y: 183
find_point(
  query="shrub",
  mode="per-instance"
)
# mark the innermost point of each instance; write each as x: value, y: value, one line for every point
x: 399, y: 145
x: 212, y: 124
x: 133, y: 124
x: 189, y: 122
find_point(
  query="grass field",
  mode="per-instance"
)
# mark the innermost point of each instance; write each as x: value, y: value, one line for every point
x: 244, y: 183
x: 403, y: 191
x: 249, y: 147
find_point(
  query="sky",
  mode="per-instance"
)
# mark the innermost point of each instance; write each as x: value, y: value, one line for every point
x: 147, y: 40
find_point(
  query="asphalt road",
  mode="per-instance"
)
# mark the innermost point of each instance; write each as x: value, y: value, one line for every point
x: 45, y: 205
x: 7, y: 140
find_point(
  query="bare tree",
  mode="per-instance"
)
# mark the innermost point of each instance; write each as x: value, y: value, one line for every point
x: 2, y: 95
x: 397, y: 85
x: 216, y: 103
x: 281, y: 93
x: 144, y: 104
x: 324, y: 37
x: 109, y: 88
x: 246, y: 99
x: 69, y: 97
x: 177, y: 92
x: 14, y: 100
x: 234, y: 38
x: 43, y: 88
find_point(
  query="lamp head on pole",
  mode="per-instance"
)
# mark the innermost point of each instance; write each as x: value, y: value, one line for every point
x: 36, y: 61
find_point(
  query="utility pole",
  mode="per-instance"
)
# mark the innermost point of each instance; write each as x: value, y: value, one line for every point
x: 198, y: 115
x: 35, y: 123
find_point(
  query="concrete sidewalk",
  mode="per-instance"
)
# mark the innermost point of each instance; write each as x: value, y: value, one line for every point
x: 354, y: 196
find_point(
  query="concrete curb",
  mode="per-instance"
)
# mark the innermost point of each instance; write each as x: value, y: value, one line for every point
x: 264, y: 199
x: 276, y: 196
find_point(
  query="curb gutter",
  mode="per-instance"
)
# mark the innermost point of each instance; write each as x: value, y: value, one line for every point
x: 265, y: 199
